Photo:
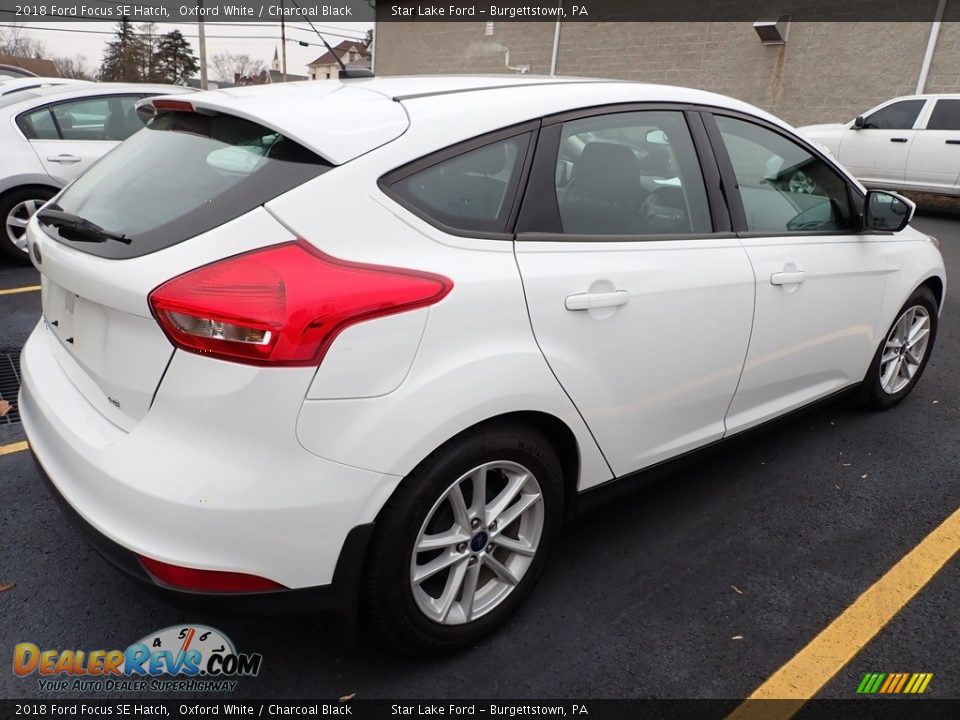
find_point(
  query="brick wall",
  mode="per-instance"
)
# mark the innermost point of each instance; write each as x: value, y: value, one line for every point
x: 826, y: 72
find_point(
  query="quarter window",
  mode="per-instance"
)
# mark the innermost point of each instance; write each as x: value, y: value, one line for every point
x: 473, y: 191
x: 900, y: 115
x: 945, y: 116
x: 38, y: 125
x: 632, y: 173
x: 783, y: 187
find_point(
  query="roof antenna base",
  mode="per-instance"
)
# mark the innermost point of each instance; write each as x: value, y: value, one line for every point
x: 348, y: 73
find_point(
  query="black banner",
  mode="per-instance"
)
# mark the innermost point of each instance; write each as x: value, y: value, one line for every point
x: 914, y: 708
x: 160, y: 11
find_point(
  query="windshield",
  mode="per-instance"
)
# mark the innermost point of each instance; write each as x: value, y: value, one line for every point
x: 183, y: 175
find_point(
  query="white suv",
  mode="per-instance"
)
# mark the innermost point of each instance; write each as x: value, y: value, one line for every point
x: 369, y: 342
x: 908, y: 143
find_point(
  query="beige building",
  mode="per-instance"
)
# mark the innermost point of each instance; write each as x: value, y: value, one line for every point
x: 824, y: 72
x: 350, y: 53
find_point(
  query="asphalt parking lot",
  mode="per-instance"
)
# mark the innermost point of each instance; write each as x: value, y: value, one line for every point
x: 701, y: 585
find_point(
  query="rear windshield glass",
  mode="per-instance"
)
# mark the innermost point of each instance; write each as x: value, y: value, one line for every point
x: 183, y: 175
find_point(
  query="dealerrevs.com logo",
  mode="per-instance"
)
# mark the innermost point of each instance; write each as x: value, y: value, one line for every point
x: 191, y: 658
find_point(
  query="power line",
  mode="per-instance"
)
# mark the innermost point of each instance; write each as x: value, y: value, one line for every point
x: 219, y: 37
x: 335, y: 32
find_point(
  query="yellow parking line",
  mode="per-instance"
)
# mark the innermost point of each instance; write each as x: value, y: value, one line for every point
x: 13, y: 448
x: 15, y: 291
x: 809, y: 670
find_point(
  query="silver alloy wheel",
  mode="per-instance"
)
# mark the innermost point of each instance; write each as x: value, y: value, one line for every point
x: 469, y: 558
x: 17, y: 220
x: 904, y: 349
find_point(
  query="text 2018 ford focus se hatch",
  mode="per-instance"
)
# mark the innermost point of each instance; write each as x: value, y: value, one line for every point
x: 367, y: 341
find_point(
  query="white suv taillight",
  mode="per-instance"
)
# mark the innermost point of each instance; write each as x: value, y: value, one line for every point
x: 284, y: 304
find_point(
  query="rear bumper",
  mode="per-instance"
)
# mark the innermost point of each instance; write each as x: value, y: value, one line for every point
x: 197, y: 486
x: 338, y: 597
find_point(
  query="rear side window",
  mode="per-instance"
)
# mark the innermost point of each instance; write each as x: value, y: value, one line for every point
x: 105, y: 118
x: 113, y: 118
x: 896, y: 116
x: 184, y: 175
x: 472, y: 191
x: 945, y: 115
x: 632, y: 173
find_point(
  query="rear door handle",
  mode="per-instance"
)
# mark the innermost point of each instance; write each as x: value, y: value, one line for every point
x: 792, y: 277
x: 953, y: 142
x: 898, y: 139
x: 589, y: 301
x: 68, y: 159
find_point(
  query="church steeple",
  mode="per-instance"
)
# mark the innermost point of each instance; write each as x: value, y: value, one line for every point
x: 275, y: 65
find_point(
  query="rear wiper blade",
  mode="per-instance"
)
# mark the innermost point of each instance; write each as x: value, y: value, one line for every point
x: 84, y: 230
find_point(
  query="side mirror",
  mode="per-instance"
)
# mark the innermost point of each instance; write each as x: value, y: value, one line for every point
x: 858, y: 122
x: 887, y: 211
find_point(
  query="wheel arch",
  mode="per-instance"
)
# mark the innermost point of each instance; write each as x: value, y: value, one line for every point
x: 26, y: 183
x: 561, y: 437
x: 937, y: 287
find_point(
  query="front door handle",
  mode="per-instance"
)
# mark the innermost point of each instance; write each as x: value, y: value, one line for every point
x: 67, y: 159
x: 591, y: 301
x: 898, y: 139
x: 787, y: 277
x: 953, y: 142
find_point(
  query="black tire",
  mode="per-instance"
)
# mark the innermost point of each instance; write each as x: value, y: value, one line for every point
x: 388, y: 598
x: 872, y: 393
x: 7, y: 203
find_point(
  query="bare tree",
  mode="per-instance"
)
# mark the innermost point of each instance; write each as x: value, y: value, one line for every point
x: 13, y: 41
x: 75, y: 68
x: 228, y: 65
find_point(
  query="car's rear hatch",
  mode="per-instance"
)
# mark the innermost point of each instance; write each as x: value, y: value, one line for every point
x: 185, y: 192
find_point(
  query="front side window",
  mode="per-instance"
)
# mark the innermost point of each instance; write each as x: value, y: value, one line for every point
x: 945, y: 115
x: 472, y: 191
x: 900, y: 115
x: 633, y: 173
x: 783, y: 187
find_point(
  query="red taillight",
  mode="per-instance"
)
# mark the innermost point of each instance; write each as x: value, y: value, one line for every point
x: 212, y: 581
x: 283, y: 305
x: 173, y: 105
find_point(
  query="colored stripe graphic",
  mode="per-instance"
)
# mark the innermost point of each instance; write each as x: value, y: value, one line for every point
x: 894, y: 683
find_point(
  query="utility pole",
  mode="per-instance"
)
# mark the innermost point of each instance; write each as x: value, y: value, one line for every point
x: 283, y: 41
x: 203, y: 46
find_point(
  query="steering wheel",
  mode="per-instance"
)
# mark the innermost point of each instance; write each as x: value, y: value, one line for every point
x: 800, y: 182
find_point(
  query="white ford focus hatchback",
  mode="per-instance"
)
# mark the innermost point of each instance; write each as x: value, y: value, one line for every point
x: 367, y: 343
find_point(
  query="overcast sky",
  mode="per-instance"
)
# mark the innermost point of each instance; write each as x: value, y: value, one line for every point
x: 256, y: 39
